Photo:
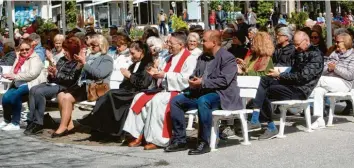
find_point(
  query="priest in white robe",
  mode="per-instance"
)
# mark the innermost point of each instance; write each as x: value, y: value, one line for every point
x: 149, y: 113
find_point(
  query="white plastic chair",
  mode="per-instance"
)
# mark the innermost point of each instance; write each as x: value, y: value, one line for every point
x: 333, y: 98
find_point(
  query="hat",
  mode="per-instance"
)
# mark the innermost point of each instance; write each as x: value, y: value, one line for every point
x: 113, y: 27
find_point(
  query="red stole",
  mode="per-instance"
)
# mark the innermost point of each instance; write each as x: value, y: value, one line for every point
x: 143, y: 99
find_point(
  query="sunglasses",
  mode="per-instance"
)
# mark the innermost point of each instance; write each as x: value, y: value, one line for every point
x: 24, y: 49
x: 314, y: 37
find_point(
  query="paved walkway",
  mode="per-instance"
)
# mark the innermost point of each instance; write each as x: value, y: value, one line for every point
x: 331, y: 147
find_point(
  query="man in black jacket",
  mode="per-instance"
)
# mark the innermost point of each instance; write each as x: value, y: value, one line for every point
x: 285, y: 49
x: 306, y: 69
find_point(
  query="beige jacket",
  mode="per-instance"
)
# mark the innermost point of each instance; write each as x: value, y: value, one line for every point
x: 32, y: 71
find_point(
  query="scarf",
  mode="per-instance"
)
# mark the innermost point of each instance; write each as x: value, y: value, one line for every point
x: 21, y: 60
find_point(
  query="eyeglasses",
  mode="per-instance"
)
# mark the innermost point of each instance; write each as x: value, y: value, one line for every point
x: 337, y: 42
x: 279, y: 35
x: 24, y: 49
x: 297, y: 45
x: 314, y: 37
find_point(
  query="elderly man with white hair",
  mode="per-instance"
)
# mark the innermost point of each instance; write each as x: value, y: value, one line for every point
x: 193, y: 41
x: 157, y: 50
x: 285, y: 50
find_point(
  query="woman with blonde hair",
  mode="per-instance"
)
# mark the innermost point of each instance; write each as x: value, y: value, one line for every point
x: 260, y: 61
x: 97, y: 66
x: 57, y: 52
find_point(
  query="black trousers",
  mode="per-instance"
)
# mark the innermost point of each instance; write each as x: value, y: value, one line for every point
x: 270, y: 90
x: 38, y: 96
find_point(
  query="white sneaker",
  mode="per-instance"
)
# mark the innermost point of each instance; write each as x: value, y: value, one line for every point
x: 3, y: 124
x: 11, y: 127
x: 319, y: 123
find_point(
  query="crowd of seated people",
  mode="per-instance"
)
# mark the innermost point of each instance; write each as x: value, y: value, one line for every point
x: 150, y: 83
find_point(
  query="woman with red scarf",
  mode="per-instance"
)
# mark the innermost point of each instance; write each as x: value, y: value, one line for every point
x: 26, y: 72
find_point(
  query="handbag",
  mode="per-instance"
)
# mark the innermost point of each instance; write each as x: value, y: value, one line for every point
x: 96, y: 90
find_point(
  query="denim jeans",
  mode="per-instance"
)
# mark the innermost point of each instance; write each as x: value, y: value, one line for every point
x: 205, y: 105
x: 12, y: 104
x: 163, y: 27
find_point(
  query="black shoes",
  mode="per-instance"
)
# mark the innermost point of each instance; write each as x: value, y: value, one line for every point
x: 175, y: 147
x: 55, y: 135
x: 33, y: 129
x: 202, y: 148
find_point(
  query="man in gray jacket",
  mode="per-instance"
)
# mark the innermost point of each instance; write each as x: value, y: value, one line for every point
x: 212, y: 85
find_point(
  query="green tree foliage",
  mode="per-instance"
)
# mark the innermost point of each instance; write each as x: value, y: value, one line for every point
x: 263, y: 11
x: 45, y: 26
x: 347, y: 5
x: 178, y: 23
x: 298, y: 19
x: 226, y: 5
x: 71, y: 13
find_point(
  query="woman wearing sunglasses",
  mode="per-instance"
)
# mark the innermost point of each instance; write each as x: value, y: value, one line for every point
x: 26, y: 72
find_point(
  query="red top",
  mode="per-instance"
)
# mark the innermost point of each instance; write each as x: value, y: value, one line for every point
x: 212, y: 19
x: 30, y: 30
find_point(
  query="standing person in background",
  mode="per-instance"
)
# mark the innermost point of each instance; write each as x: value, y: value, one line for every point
x: 212, y: 20
x: 185, y: 16
x: 320, y: 19
x: 128, y: 22
x: 251, y: 18
x: 221, y: 18
x: 170, y: 21
x: 162, y: 17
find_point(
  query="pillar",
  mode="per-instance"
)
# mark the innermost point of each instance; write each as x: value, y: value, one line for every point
x: 328, y: 24
x: 63, y: 20
x: 206, y: 15
x: 9, y: 8
x: 291, y: 7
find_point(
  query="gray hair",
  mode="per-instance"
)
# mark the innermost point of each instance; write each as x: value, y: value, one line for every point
x: 193, y: 35
x: 35, y: 37
x: 252, y: 30
x: 80, y: 35
x: 340, y: 31
x: 155, y: 42
x: 180, y: 36
x: 286, y: 31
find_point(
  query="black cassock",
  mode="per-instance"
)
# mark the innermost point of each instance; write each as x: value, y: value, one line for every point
x: 111, y: 109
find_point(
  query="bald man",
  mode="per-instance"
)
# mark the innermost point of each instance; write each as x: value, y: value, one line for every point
x: 306, y: 69
x: 211, y: 86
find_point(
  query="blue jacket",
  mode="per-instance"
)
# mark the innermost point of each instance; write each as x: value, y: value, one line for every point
x: 40, y: 51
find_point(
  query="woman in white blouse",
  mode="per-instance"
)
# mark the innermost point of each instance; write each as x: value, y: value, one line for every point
x: 193, y: 41
x: 121, y: 60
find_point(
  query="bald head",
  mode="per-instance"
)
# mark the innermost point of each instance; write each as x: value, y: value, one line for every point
x: 211, y: 41
x: 214, y: 35
x: 301, y: 41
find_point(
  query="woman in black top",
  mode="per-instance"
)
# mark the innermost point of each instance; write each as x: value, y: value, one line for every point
x: 61, y: 76
x: 111, y: 109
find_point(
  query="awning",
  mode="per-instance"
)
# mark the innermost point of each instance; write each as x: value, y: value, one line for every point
x: 97, y: 3
x: 138, y: 1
